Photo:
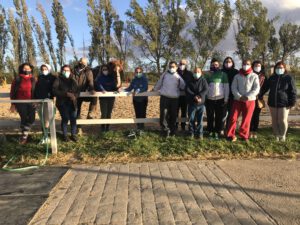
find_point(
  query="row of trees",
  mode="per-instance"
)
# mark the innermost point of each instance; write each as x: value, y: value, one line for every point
x: 152, y: 35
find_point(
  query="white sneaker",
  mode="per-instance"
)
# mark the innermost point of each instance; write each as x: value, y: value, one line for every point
x: 45, y: 141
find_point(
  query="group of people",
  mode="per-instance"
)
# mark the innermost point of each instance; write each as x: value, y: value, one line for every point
x: 224, y: 93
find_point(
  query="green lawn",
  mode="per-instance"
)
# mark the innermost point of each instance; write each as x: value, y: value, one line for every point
x: 116, y: 147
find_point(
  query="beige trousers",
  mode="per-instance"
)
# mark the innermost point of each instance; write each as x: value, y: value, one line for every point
x: 279, y: 121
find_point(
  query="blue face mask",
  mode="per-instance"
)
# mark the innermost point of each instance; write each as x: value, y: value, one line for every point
x: 279, y: 71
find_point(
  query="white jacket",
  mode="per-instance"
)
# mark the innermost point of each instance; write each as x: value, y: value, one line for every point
x: 170, y: 85
x: 245, y: 85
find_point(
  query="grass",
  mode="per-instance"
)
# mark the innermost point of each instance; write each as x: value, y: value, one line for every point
x: 116, y: 147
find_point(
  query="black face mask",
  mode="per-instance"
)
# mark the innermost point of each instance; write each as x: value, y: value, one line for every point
x: 26, y: 72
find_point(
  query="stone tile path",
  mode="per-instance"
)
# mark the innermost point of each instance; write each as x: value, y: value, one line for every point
x: 150, y: 193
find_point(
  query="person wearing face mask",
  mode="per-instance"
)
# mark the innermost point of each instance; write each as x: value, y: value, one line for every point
x: 186, y: 75
x: 258, y: 70
x: 43, y: 90
x: 22, y: 88
x: 231, y: 71
x: 196, y: 90
x: 245, y: 88
x: 85, y: 80
x: 169, y: 86
x: 139, y: 84
x: 106, y: 82
x: 66, y: 91
x: 282, y: 97
x: 217, y: 98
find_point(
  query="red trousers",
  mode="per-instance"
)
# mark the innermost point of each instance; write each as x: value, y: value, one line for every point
x: 246, y: 108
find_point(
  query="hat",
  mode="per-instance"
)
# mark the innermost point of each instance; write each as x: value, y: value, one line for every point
x: 47, y: 65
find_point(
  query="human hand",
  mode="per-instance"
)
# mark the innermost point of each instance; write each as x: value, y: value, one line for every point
x: 12, y: 108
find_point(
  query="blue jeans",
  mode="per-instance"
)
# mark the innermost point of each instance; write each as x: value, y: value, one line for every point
x: 195, y: 113
x: 68, y: 112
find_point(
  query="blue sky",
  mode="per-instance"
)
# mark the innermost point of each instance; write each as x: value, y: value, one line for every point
x: 76, y: 14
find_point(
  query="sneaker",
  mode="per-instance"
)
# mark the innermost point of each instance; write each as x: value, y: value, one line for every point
x: 140, y: 132
x: 23, y: 140
x: 79, y: 131
x: 211, y: 135
x: 74, y: 138
x: 283, y: 139
x: 192, y: 136
x: 277, y: 138
x: 216, y: 136
x: 45, y: 140
x: 233, y: 139
x: 132, y: 134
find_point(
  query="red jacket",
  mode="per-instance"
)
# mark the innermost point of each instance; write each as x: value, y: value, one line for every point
x: 22, y: 87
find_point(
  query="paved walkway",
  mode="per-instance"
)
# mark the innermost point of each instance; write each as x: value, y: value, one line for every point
x: 150, y: 193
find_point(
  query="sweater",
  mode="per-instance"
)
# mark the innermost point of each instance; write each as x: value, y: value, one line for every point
x: 169, y: 85
x: 218, y: 87
x: 196, y: 87
x: 105, y: 83
x: 22, y: 87
x: 245, y: 85
x: 140, y: 83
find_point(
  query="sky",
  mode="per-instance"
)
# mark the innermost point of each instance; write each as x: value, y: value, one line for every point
x: 76, y: 14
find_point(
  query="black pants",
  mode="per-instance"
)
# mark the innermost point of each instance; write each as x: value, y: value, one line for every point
x: 27, y: 115
x: 140, y: 109
x: 168, y: 113
x: 106, y: 107
x: 215, y: 112
x: 255, y: 119
x: 182, y: 106
x: 226, y: 116
x: 92, y: 106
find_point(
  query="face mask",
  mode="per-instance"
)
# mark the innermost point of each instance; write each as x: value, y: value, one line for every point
x: 280, y: 71
x: 105, y: 72
x: 197, y: 75
x: 182, y: 67
x: 228, y: 65
x: 66, y: 74
x: 139, y: 75
x: 257, y: 69
x: 214, y: 69
x: 246, y: 67
x: 172, y: 70
x: 45, y: 72
x: 26, y: 72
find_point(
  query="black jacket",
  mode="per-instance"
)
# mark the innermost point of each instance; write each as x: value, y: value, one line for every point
x: 60, y: 88
x: 196, y: 88
x: 230, y: 75
x: 282, y: 91
x: 186, y: 75
x: 43, y: 87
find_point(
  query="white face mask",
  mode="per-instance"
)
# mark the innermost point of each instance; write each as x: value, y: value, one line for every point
x: 182, y: 67
x: 246, y: 67
x: 105, y: 73
x: 172, y: 70
x: 66, y: 74
x: 197, y: 75
x: 45, y: 72
x: 280, y: 71
x: 228, y: 65
x: 257, y: 69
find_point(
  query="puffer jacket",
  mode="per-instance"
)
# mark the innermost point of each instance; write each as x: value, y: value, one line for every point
x: 283, y: 91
